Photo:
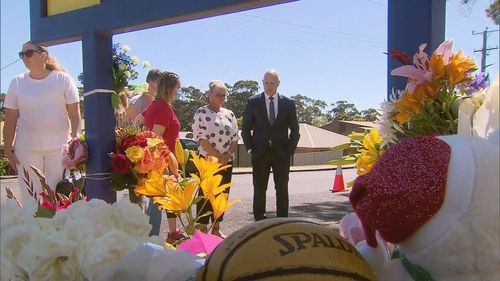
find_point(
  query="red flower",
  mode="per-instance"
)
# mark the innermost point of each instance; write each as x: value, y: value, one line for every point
x: 401, y: 57
x: 120, y: 164
x: 48, y: 205
x: 134, y: 140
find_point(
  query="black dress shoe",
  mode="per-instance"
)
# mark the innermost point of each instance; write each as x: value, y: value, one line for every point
x: 260, y: 218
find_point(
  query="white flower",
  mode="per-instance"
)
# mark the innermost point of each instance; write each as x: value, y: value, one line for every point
x: 96, y: 212
x: 122, y: 66
x: 12, y: 240
x: 125, y: 48
x: 128, y: 217
x: 49, y: 256
x: 134, y: 60
x: 127, y: 73
x: 146, y: 64
x: 386, y: 125
x: 106, y: 251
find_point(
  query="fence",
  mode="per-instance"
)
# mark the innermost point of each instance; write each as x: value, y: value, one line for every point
x: 299, y: 159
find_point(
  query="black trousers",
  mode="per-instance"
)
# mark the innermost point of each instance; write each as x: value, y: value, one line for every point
x: 262, y: 165
x: 226, y: 178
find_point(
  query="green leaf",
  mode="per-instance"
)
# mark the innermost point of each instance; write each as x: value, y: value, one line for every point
x: 348, y: 160
x: 43, y: 212
x: 341, y: 147
x: 115, y: 100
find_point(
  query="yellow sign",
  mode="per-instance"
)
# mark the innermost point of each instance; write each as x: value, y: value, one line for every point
x: 55, y: 7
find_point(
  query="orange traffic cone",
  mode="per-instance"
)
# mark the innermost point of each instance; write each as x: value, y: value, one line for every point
x: 338, y: 183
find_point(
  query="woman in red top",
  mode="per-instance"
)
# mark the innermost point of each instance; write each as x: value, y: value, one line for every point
x: 160, y: 118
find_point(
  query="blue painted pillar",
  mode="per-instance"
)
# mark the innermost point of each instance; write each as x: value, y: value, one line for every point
x: 99, y: 114
x: 411, y: 23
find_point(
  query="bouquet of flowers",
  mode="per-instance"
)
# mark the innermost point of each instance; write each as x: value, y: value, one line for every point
x: 48, y: 201
x: 74, y: 161
x: 138, y: 154
x: 179, y: 194
x: 78, y: 243
x: 437, y: 85
x: 124, y: 67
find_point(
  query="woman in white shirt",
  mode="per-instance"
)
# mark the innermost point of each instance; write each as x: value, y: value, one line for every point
x: 216, y: 131
x: 42, y: 112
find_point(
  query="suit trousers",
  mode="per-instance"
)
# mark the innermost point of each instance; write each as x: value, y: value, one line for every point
x: 262, y: 165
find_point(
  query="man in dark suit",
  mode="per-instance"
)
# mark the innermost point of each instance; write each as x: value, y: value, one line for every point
x: 266, y: 121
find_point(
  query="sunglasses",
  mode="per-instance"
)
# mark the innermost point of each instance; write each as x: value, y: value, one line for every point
x: 28, y: 53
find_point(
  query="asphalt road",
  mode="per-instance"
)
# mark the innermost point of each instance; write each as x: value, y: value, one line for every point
x: 309, y: 193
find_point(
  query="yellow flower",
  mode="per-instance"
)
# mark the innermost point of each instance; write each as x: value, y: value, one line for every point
x: 220, y: 205
x: 146, y: 64
x: 134, y: 60
x: 459, y: 65
x: 425, y: 91
x: 127, y: 73
x: 211, y: 186
x: 125, y: 48
x: 153, y: 185
x: 206, y: 166
x: 408, y: 105
x: 134, y: 153
x: 371, y: 153
x: 152, y: 142
x: 436, y: 64
x: 177, y: 199
x: 179, y: 153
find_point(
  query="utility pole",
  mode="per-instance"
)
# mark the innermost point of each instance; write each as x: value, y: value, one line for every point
x: 485, y: 49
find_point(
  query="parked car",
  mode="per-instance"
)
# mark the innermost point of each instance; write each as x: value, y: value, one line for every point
x: 193, y: 146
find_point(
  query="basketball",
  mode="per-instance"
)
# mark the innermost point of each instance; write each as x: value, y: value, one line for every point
x: 285, y: 249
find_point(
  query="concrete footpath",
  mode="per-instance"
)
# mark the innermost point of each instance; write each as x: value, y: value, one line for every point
x: 248, y: 170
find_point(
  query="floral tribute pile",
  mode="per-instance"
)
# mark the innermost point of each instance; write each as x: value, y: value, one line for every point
x: 429, y: 105
x: 138, y: 153
x: 140, y: 165
x: 78, y: 243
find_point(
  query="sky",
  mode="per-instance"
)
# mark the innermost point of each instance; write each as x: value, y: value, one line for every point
x: 323, y: 49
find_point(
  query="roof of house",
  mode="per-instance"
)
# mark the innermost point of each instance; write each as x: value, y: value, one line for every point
x: 361, y: 123
x: 315, y: 137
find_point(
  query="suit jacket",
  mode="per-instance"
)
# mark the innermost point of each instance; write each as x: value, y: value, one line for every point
x: 257, y: 130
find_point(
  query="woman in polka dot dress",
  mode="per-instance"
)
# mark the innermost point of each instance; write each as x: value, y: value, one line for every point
x: 216, y: 131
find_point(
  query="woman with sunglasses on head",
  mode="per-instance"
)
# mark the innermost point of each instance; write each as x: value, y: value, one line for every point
x: 216, y: 130
x: 42, y: 112
x: 160, y: 118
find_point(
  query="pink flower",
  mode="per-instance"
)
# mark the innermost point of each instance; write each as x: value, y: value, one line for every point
x: 417, y: 73
x: 75, y: 153
x: 445, y: 50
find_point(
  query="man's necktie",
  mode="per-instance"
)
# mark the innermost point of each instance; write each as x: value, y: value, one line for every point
x: 272, y: 114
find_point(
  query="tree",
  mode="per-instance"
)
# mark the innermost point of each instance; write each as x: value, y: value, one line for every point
x: 189, y: 99
x: 308, y: 109
x: 370, y: 114
x: 494, y: 12
x: 239, y: 94
x: 343, y: 110
x: 80, y: 78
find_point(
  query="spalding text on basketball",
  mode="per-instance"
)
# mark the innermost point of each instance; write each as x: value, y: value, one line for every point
x: 296, y: 241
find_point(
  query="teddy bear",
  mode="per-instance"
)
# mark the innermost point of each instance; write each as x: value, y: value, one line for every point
x: 436, y: 199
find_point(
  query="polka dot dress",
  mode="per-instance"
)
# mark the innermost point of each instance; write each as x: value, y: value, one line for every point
x: 218, y: 128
